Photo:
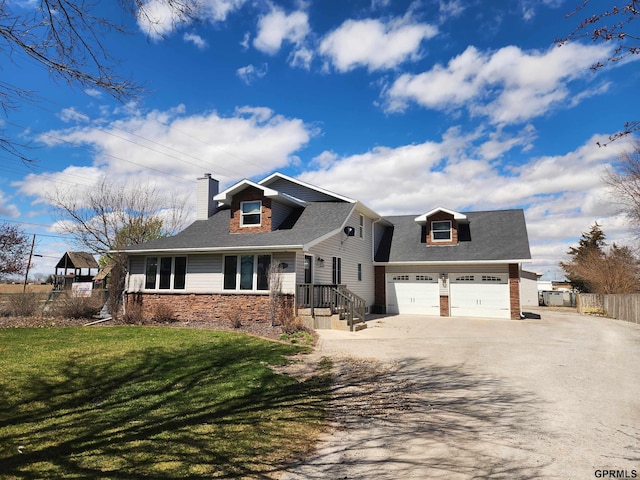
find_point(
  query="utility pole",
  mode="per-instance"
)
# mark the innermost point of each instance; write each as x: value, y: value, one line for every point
x: 26, y: 275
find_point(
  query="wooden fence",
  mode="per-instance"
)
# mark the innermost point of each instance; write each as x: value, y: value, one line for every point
x: 623, y: 306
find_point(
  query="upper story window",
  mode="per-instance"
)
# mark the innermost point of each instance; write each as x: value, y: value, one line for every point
x: 441, y: 231
x: 361, y: 227
x: 250, y: 214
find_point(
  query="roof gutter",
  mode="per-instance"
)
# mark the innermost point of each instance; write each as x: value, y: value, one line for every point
x: 456, y: 262
x: 267, y: 248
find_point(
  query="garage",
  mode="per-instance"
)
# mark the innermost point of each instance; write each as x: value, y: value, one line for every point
x: 413, y: 294
x: 480, y: 295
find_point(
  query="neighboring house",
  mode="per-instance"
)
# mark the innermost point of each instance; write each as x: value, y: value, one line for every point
x: 333, y: 252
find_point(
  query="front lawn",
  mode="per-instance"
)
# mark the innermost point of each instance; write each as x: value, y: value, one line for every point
x: 156, y: 403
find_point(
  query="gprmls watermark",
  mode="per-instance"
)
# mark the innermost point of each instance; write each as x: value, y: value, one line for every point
x: 615, y: 473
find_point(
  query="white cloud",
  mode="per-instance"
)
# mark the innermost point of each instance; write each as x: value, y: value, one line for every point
x: 562, y: 195
x: 507, y: 86
x: 277, y: 27
x: 301, y: 58
x: 450, y: 8
x: 7, y: 209
x: 173, y: 148
x: 158, y: 18
x: 197, y: 40
x: 250, y: 73
x: 72, y: 115
x: 374, y: 44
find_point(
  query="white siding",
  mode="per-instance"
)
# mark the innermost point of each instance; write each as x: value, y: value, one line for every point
x: 135, y: 281
x: 289, y: 273
x: 463, y: 268
x: 298, y: 191
x: 528, y: 289
x: 353, y: 251
x: 204, y: 273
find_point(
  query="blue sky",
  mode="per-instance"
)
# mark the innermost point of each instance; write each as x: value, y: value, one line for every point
x: 405, y: 106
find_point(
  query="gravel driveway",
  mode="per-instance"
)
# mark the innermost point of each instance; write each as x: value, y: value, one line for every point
x: 430, y: 398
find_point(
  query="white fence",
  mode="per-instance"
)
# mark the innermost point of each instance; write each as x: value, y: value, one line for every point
x: 623, y: 306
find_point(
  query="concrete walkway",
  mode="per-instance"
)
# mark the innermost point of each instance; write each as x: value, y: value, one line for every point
x: 434, y: 398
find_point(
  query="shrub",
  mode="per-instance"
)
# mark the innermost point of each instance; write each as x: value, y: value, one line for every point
x: 163, y: 312
x: 24, y: 304
x: 72, y: 306
x: 235, y: 318
x: 133, y: 314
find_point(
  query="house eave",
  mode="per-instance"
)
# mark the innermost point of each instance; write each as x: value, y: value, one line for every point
x: 173, y: 251
x: 456, y: 262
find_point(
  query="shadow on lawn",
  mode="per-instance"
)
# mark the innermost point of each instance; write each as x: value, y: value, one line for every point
x: 201, y: 413
x: 414, y: 420
x: 197, y: 413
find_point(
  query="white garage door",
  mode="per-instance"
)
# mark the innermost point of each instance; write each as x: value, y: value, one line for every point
x: 480, y: 295
x: 413, y: 293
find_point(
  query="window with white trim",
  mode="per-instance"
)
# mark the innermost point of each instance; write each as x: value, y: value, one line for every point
x: 424, y: 278
x: 465, y: 278
x: 400, y: 277
x: 359, y: 272
x: 246, y: 272
x: 250, y: 214
x: 165, y: 273
x: 441, y: 231
x: 491, y: 278
x: 336, y: 270
x: 361, y: 227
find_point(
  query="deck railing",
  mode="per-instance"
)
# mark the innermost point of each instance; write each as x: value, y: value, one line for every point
x: 338, y: 298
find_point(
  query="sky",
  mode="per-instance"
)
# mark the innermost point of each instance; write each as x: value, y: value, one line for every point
x: 404, y: 105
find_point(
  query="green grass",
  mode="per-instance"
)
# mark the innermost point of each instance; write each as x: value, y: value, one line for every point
x: 151, y: 403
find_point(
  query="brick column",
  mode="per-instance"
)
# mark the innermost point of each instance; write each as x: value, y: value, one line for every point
x: 380, y: 287
x: 514, y: 290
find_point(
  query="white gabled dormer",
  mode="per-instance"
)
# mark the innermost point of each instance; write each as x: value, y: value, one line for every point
x: 441, y: 226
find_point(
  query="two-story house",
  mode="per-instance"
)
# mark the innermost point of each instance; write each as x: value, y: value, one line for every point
x: 331, y: 251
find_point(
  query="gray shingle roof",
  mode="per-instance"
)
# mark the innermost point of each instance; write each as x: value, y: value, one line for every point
x: 315, y: 221
x: 493, y: 235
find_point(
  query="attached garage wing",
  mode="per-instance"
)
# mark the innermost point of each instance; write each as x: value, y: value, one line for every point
x: 480, y: 295
x: 413, y: 294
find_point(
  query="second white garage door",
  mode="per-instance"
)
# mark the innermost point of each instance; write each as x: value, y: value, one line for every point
x: 480, y: 295
x: 413, y: 293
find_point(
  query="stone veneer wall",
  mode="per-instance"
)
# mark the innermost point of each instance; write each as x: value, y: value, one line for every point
x: 209, y: 307
x: 514, y: 290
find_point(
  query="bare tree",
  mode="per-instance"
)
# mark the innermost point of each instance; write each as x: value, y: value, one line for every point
x: 14, y: 250
x: 624, y: 183
x: 275, y: 291
x: 109, y: 217
x: 66, y: 38
x: 615, y: 25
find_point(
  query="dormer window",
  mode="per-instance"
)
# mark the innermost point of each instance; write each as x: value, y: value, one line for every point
x: 441, y: 231
x: 250, y: 214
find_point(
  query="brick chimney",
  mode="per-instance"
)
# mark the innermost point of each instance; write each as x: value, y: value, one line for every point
x: 207, y: 189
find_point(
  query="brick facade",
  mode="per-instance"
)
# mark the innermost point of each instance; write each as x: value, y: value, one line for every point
x: 514, y: 290
x: 442, y: 216
x: 444, y: 306
x: 209, y: 307
x: 247, y: 195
